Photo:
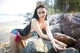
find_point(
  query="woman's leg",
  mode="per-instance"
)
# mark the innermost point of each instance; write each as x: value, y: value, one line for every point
x: 14, y: 46
x: 23, y: 39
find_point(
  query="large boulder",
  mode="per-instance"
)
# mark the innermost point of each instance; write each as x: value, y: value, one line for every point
x: 35, y: 44
x: 39, y: 45
x: 70, y: 25
x: 54, y: 23
x: 77, y: 44
x: 70, y: 50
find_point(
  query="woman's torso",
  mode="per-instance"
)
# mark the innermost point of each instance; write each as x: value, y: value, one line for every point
x: 33, y: 31
x: 41, y: 25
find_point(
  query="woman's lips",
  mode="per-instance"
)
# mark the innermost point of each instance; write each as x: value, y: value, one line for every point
x: 43, y: 17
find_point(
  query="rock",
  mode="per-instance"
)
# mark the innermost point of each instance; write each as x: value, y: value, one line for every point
x: 35, y: 44
x: 5, y: 47
x: 70, y: 50
x: 39, y: 45
x: 54, y: 24
x: 77, y: 44
x: 70, y: 25
x: 2, y: 50
x: 55, y: 28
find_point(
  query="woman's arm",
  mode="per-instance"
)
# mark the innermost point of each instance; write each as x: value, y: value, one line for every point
x: 49, y: 34
x: 36, y: 27
x: 54, y: 41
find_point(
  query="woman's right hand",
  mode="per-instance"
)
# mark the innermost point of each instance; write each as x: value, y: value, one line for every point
x: 58, y: 47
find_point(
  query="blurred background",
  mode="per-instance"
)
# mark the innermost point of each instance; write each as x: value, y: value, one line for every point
x: 17, y: 10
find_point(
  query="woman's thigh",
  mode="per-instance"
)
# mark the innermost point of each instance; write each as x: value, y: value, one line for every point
x: 13, y: 44
x: 12, y: 37
x: 26, y: 36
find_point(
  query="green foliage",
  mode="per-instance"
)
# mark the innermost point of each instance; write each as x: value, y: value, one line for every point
x: 50, y: 11
x: 49, y: 6
x: 74, y: 5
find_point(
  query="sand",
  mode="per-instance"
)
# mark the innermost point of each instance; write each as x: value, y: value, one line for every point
x: 5, y: 29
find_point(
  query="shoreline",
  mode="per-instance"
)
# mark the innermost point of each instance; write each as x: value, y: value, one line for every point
x: 5, y: 29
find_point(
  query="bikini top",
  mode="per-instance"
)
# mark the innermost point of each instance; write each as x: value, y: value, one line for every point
x: 34, y: 33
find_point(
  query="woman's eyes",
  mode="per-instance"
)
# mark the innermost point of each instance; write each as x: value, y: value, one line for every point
x: 41, y: 12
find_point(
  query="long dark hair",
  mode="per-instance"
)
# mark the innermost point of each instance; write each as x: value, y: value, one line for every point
x: 27, y: 29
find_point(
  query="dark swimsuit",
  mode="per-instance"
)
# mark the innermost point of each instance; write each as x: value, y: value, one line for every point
x: 18, y: 32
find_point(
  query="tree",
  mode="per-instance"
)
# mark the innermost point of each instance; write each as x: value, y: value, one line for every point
x: 74, y: 5
x: 49, y: 5
x: 28, y: 15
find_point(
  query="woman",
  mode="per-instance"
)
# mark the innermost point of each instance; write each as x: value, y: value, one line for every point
x: 37, y: 24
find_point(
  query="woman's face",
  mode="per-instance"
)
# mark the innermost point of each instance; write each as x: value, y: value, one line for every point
x: 41, y: 12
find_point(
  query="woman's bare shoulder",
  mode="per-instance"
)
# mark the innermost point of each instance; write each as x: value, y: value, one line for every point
x: 46, y: 22
x: 34, y: 20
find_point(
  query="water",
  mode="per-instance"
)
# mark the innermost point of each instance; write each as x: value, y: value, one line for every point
x: 6, y: 18
x: 8, y: 23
